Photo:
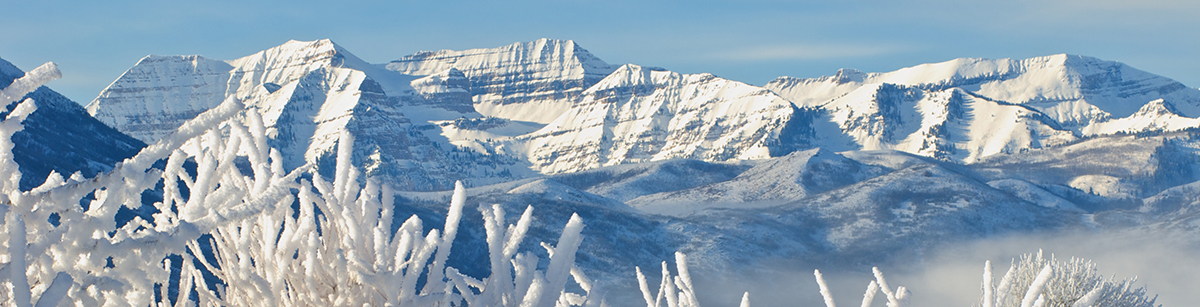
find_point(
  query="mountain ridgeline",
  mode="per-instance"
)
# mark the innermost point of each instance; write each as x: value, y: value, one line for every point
x: 551, y: 107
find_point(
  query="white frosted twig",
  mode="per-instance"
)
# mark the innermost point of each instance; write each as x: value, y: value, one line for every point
x: 1041, y: 301
x: 685, y: 278
x: 887, y: 290
x: 562, y: 260
x: 18, y: 265
x: 1091, y: 297
x: 903, y: 296
x: 989, y: 297
x: 449, y: 232
x: 869, y: 296
x: 824, y: 289
x: 29, y: 83
x: 642, y: 285
x: 1035, y: 288
x: 1003, y: 291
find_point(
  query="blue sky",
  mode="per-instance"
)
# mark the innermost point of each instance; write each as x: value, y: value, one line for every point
x: 750, y: 41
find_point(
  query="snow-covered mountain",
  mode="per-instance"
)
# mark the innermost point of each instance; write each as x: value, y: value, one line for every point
x: 530, y: 81
x: 951, y: 124
x: 640, y: 114
x: 61, y: 137
x: 308, y: 92
x: 769, y: 183
x: 551, y: 107
x: 966, y: 109
x: 1073, y: 90
x: 856, y: 168
x: 417, y: 114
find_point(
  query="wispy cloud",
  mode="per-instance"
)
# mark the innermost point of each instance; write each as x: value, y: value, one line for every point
x: 806, y: 52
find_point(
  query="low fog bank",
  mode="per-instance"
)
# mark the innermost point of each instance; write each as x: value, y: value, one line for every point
x: 1167, y: 264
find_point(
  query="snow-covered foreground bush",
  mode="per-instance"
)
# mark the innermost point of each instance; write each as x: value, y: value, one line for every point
x: 1035, y: 281
x: 271, y: 237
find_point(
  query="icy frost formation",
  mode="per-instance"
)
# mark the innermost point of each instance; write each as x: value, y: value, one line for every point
x: 336, y: 249
x: 1035, y: 281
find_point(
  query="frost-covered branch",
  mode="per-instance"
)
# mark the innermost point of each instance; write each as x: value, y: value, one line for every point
x: 222, y: 234
x: 1037, y: 281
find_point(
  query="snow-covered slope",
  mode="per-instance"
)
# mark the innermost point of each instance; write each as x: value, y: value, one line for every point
x: 889, y: 218
x: 160, y: 93
x: 1155, y: 116
x: 914, y: 207
x: 772, y: 182
x: 950, y: 124
x: 630, y: 181
x: 530, y: 81
x: 60, y: 136
x: 638, y: 114
x: 1102, y: 173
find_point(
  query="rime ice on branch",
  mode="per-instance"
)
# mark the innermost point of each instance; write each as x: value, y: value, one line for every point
x: 1034, y: 280
x: 335, y: 249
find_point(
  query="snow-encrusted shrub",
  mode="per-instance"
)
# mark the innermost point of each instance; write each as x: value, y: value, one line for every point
x: 334, y: 248
x: 677, y: 291
x: 1036, y: 281
x: 895, y: 298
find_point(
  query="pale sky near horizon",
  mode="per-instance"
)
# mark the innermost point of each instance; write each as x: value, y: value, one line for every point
x: 750, y: 41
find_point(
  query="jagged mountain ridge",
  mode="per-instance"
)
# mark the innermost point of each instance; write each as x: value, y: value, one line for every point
x: 307, y: 93
x: 61, y: 137
x: 639, y: 114
x: 531, y: 81
x: 550, y: 106
x: 1065, y: 87
x: 1007, y: 105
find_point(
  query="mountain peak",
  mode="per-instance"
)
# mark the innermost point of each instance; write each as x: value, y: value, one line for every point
x: 295, y: 52
x: 846, y: 75
x: 324, y: 44
x: 7, y: 69
x: 1157, y: 107
x: 542, y: 51
x: 628, y: 75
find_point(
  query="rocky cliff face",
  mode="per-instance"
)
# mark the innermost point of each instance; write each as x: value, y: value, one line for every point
x: 159, y: 93
x: 531, y: 81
